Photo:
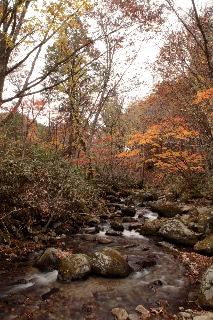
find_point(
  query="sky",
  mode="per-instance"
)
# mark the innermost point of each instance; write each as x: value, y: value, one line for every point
x: 147, y: 55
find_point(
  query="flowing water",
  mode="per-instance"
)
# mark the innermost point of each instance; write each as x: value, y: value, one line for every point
x: 25, y: 293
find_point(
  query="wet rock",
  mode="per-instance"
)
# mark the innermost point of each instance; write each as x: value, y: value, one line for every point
x: 143, y: 311
x: 151, y: 227
x: 205, y: 220
x: 205, y: 246
x: 49, y: 260
x: 120, y: 314
x: 147, y: 262
x: 110, y: 263
x: 176, y: 232
x: 117, y: 226
x: 205, y: 296
x: 90, y: 230
x: 88, y: 237
x: 103, y: 240
x: 156, y: 283
x: 74, y: 267
x: 129, y: 219
x: 92, y: 222
x: 135, y: 226
x: 166, y: 209
x: 192, y: 295
x: 129, y: 211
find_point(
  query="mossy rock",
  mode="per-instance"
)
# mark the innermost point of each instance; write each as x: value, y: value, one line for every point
x: 151, y: 227
x: 205, y: 246
x: 110, y: 263
x: 205, y: 220
x: 167, y: 209
x: 205, y: 297
x: 74, y: 267
x: 49, y: 260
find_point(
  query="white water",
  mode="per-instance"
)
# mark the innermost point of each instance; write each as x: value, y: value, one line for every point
x: 39, y: 279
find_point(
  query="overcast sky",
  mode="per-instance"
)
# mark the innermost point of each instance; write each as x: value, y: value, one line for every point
x: 148, y: 53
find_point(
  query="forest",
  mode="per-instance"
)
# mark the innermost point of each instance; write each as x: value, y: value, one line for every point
x: 104, y: 101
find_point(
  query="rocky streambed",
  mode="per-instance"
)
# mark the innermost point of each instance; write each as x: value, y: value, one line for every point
x: 158, y: 280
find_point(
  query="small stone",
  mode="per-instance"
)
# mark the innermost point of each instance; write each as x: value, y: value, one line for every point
x: 185, y: 315
x: 120, y: 314
x: 35, y: 239
x: 145, y: 313
x: 118, y: 298
x: 181, y: 308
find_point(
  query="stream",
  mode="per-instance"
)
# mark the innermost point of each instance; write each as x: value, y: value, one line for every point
x: 26, y: 293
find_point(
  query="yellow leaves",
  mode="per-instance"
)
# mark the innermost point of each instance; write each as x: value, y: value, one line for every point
x: 204, y: 95
x: 129, y: 153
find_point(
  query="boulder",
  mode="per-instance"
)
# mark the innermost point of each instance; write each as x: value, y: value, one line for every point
x: 110, y: 263
x: 205, y: 246
x: 205, y: 297
x: 117, y: 226
x: 74, y: 267
x: 166, y: 209
x: 151, y: 227
x: 205, y: 220
x: 128, y: 211
x: 49, y: 260
x: 175, y: 231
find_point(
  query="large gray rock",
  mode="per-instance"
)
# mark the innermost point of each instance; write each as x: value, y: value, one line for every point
x: 74, y: 267
x: 176, y: 232
x: 205, y: 296
x: 110, y: 263
x: 205, y: 246
x: 49, y: 260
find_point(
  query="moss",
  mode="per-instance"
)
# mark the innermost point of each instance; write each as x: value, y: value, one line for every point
x: 109, y: 262
x: 205, y: 246
x: 77, y: 266
x: 151, y: 227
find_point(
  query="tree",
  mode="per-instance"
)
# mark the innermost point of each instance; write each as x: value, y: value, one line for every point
x: 185, y: 62
x: 25, y: 28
